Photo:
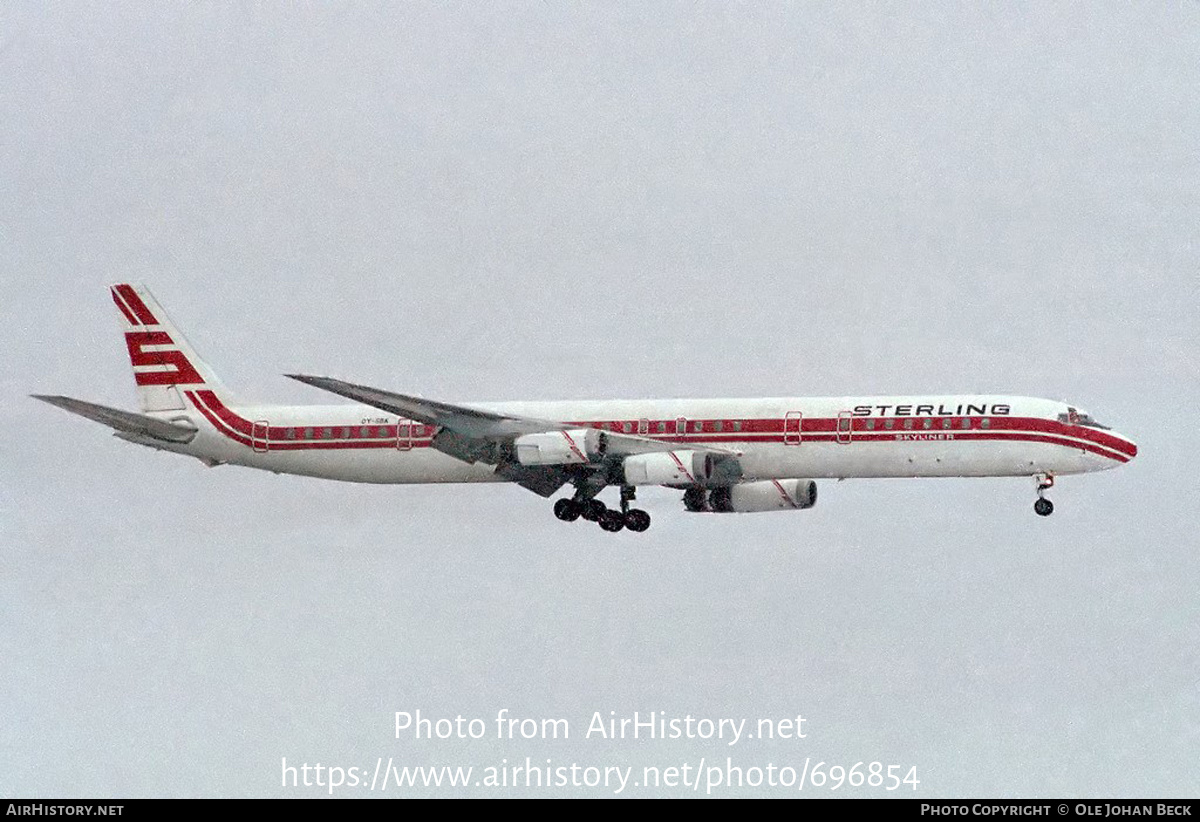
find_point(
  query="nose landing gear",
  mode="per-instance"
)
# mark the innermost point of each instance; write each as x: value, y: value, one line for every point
x: 1043, y: 507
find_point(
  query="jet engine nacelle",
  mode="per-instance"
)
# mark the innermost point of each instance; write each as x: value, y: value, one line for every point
x: 668, y: 468
x: 577, y: 446
x: 769, y: 495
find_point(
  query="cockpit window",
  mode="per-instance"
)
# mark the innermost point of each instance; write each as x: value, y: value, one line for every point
x: 1076, y: 417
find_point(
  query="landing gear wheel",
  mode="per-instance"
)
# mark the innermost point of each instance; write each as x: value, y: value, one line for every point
x: 1043, y: 507
x: 567, y: 510
x: 637, y: 520
x: 593, y: 510
x: 612, y: 521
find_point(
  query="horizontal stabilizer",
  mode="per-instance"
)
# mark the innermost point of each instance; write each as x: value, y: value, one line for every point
x: 125, y: 422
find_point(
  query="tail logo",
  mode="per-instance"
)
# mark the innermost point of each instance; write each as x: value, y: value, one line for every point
x: 131, y: 305
x: 169, y: 366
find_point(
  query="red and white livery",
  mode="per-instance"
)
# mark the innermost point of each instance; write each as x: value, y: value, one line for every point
x: 726, y: 455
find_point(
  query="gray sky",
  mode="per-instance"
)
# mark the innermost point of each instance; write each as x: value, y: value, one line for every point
x: 609, y: 200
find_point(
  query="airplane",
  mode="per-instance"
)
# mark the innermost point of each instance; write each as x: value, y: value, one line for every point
x: 725, y: 455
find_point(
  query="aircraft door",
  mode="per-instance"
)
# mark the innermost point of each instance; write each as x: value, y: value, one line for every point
x: 404, y: 436
x: 260, y: 433
x: 845, y: 427
x: 793, y: 424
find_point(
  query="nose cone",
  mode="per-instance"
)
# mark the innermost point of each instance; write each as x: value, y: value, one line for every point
x: 1125, y: 445
x: 1132, y: 447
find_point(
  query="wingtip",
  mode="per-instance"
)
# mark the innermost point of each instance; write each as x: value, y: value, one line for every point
x: 324, y: 383
x: 57, y: 400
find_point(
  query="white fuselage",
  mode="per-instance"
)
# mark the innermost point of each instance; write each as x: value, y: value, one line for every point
x: 805, y: 437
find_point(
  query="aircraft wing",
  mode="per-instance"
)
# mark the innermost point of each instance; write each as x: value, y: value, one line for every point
x: 461, y: 419
x: 475, y: 435
x: 125, y: 422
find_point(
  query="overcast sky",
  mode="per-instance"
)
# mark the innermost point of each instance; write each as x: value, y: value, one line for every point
x: 552, y: 200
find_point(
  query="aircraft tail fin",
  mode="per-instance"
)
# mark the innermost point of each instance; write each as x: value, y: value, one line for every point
x: 164, y: 363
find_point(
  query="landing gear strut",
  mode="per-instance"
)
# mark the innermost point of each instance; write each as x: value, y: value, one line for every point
x: 1044, y: 507
x: 569, y: 509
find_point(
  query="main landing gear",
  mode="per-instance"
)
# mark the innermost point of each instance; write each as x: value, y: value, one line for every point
x: 569, y: 509
x: 1043, y: 506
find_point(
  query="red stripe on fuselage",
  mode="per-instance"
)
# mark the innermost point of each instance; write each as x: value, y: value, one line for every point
x: 754, y: 429
x: 239, y: 429
x: 976, y: 436
x: 239, y: 424
x: 194, y: 398
x: 1021, y: 429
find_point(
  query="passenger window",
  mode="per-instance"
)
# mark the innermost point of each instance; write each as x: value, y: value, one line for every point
x: 985, y: 423
x: 908, y: 424
x: 928, y: 423
x: 870, y: 425
x: 947, y: 422
x: 737, y: 425
x: 291, y: 433
x: 328, y: 433
x: 661, y: 427
x: 889, y: 423
x: 627, y: 427
x: 308, y: 433
x: 718, y: 426
x: 698, y: 427
x: 966, y: 423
